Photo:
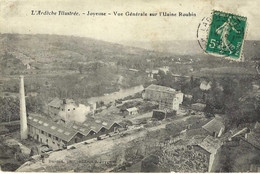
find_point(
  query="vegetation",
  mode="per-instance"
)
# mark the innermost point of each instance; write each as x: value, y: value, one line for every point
x: 10, y: 107
x: 227, y: 95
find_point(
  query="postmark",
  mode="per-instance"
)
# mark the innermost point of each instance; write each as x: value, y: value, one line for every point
x: 226, y: 35
x: 203, y: 31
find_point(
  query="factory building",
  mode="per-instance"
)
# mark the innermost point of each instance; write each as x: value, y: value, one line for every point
x: 60, y: 134
x: 57, y: 105
x: 167, y: 98
x: 47, y: 132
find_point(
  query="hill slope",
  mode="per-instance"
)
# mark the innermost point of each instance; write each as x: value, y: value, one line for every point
x: 191, y: 47
x: 45, y: 48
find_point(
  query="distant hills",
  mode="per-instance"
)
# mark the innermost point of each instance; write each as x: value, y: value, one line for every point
x: 177, y: 47
x: 17, y: 50
x: 47, y: 48
x: 191, y: 47
x: 57, y: 51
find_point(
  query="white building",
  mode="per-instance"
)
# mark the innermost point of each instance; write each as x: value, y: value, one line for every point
x: 132, y: 111
x: 168, y: 98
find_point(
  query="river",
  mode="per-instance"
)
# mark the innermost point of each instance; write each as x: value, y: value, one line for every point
x: 122, y: 93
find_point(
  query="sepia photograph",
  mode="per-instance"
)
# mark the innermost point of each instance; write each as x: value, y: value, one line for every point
x: 138, y: 86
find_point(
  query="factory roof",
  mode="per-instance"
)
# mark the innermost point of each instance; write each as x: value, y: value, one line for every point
x: 56, y: 103
x: 51, y: 127
x: 161, y: 88
x: 93, y: 124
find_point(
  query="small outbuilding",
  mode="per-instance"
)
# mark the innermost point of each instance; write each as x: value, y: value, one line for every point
x: 132, y: 111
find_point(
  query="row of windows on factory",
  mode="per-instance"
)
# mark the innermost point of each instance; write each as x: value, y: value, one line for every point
x: 64, y: 109
x: 50, y: 136
x: 44, y: 133
x: 68, y: 109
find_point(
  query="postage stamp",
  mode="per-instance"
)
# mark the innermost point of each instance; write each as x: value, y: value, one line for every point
x: 226, y: 35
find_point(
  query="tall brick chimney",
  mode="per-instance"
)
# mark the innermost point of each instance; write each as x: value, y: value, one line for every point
x: 23, y: 117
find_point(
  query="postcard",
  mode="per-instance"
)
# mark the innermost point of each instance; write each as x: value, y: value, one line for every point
x: 129, y: 86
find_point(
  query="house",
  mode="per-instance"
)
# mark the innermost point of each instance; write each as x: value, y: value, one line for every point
x: 204, y: 86
x: 152, y: 73
x: 210, y: 146
x: 198, y: 106
x: 68, y: 104
x: 215, y: 127
x: 166, y: 97
x: 73, y: 112
x: 132, y: 111
x: 54, y: 106
x: 57, y: 105
x: 68, y: 110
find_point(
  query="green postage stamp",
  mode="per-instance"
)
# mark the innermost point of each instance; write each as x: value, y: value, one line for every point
x: 226, y: 35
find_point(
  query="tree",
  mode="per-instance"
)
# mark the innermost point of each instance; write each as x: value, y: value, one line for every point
x: 209, y: 109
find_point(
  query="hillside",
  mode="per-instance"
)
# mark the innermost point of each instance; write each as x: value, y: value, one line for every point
x: 191, y: 47
x: 48, y: 48
x: 59, y: 50
x: 68, y: 66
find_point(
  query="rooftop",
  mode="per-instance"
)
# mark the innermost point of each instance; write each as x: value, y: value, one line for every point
x: 215, y: 125
x: 93, y: 124
x: 132, y: 109
x: 210, y: 144
x: 161, y: 88
x: 51, y: 127
x: 56, y: 102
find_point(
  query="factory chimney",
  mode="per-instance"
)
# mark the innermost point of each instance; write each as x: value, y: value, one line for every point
x: 23, y: 117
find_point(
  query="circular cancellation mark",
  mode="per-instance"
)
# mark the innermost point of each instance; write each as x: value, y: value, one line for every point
x: 203, y: 33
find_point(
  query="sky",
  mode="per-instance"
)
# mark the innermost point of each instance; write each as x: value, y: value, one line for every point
x: 15, y: 17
